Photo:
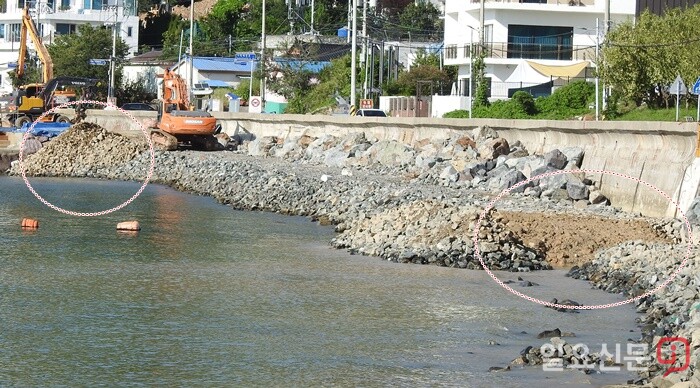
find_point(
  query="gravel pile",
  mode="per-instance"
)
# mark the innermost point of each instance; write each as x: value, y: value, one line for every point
x: 82, y: 150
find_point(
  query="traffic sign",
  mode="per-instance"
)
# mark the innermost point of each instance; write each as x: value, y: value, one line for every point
x: 696, y: 87
x: 678, y: 86
x: 98, y: 62
x: 250, y: 56
x: 255, y: 105
x: 366, y: 103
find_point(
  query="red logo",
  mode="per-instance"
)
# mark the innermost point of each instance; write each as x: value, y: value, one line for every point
x: 672, y: 359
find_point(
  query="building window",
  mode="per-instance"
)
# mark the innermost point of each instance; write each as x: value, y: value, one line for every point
x: 129, y: 31
x: 65, y: 4
x: 65, y: 29
x: 14, y: 32
x: 2, y: 31
x: 540, y: 42
x: 451, y: 52
x: 92, y: 4
x: 3, y: 6
x: 20, y: 4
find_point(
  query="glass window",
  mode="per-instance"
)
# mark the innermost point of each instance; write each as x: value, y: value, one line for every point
x: 3, y: 6
x: 64, y: 29
x: 14, y: 32
x: 129, y: 31
x: 20, y: 4
x: 540, y: 42
x: 2, y: 31
x: 92, y: 4
x: 65, y: 4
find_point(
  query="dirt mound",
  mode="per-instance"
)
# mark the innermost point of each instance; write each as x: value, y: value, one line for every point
x: 568, y: 240
x: 81, y: 149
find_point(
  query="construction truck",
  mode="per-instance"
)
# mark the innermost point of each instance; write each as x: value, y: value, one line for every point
x: 177, y: 125
x: 32, y: 100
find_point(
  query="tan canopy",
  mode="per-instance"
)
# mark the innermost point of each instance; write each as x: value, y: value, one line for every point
x: 568, y: 71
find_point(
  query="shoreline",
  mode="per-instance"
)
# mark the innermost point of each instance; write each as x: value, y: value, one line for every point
x: 411, y: 213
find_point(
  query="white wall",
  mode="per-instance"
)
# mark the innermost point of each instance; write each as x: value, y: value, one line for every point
x: 443, y: 104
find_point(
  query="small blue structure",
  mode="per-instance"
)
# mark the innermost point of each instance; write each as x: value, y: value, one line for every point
x: 343, y: 32
x: 45, y: 129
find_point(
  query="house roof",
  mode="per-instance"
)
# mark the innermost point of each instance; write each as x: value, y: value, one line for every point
x: 317, y: 51
x: 152, y: 57
x: 311, y: 66
x: 222, y: 64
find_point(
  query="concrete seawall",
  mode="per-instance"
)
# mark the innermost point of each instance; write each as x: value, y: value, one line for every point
x: 660, y: 153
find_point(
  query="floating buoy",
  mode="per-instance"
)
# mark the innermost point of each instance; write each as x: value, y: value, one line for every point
x: 129, y: 225
x: 30, y: 223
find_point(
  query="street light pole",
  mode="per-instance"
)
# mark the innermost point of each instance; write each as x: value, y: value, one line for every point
x: 597, y: 70
x: 353, y: 65
x: 262, y: 58
x: 471, y: 68
x: 191, y: 80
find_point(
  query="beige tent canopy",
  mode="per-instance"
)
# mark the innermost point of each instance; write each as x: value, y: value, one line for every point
x: 529, y: 72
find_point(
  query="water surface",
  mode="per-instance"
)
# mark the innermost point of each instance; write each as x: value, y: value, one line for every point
x: 208, y: 296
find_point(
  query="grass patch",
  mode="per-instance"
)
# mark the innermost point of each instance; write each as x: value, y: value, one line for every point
x: 648, y: 114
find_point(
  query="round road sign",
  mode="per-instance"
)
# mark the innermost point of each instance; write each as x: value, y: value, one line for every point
x: 255, y: 102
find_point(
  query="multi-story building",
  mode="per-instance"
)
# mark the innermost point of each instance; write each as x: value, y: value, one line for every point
x: 55, y: 17
x: 529, y: 44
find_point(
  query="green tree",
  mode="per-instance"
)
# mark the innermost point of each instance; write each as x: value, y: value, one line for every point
x: 407, y: 82
x: 639, y: 60
x: 31, y: 74
x: 71, y: 54
x: 478, y: 75
x: 422, y: 20
x: 135, y: 91
x: 294, y: 83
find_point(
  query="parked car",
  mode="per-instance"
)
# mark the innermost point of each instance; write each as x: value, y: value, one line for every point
x: 137, y: 106
x: 370, y: 113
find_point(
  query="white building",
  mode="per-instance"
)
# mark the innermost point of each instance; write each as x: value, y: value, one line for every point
x: 55, y: 17
x: 528, y: 43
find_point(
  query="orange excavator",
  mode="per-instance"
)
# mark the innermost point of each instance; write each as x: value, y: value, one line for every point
x: 177, y: 125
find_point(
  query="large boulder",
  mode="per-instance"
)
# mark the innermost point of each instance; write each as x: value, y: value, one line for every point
x: 573, y: 154
x: 390, y: 153
x: 450, y: 174
x: 493, y: 148
x: 480, y: 134
x: 576, y: 188
x: 556, y: 159
x: 261, y: 146
x: 335, y: 157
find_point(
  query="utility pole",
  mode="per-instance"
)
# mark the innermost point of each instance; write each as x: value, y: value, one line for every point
x: 606, y: 28
x: 179, y: 54
x: 349, y: 19
x: 113, y: 58
x: 262, y: 58
x: 353, y: 55
x: 229, y: 43
x: 312, y: 17
x: 191, y: 77
x: 363, y: 59
x: 597, y: 69
x: 481, y: 23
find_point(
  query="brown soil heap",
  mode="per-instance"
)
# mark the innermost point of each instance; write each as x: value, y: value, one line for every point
x: 567, y: 240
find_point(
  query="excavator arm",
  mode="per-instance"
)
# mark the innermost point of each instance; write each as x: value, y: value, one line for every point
x: 28, y: 28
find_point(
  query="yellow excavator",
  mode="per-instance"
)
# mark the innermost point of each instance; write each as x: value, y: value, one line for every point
x: 30, y: 101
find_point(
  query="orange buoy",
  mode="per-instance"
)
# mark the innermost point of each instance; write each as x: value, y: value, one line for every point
x: 30, y: 223
x: 129, y: 225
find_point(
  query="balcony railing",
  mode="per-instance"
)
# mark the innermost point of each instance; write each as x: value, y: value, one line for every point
x: 524, y: 51
x: 550, y: 2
